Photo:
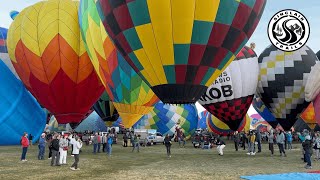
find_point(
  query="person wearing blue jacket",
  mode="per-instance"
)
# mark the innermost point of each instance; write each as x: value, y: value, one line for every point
x: 289, y: 140
x: 109, y: 144
x: 42, y: 146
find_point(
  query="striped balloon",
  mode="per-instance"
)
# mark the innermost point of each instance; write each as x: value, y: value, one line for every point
x: 309, y: 117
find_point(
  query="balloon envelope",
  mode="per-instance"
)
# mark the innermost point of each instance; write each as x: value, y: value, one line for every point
x: 92, y: 123
x: 19, y: 111
x: 48, y: 53
x: 259, y: 106
x: 308, y: 116
x: 282, y: 80
x: 202, y: 120
x: 230, y: 95
x: 105, y: 108
x: 179, y: 47
x: 313, y: 83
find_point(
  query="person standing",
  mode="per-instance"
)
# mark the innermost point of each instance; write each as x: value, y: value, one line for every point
x: 104, y: 142
x: 136, y: 143
x: 168, y: 143
x: 55, y: 150
x: 109, y: 144
x: 99, y: 139
x: 220, y: 146
x: 30, y: 139
x: 182, y: 139
x: 244, y: 140
x: 316, y: 146
x: 63, y: 149
x: 42, y: 146
x: 77, y: 145
x: 258, y: 140
x: 270, y: 141
x: 125, y: 140
x: 50, y: 138
x: 289, y: 140
x: 251, y: 139
x: 24, y: 144
x: 236, y: 139
x: 307, y: 151
x: 280, y: 141
x: 95, y: 143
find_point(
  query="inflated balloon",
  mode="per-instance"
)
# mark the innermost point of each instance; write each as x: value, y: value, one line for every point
x: 264, y: 112
x: 130, y: 95
x: 117, y: 123
x: 19, y: 111
x: 180, y: 47
x: 105, y: 109
x: 165, y: 118
x: 282, y: 80
x: 54, y: 126
x: 219, y: 127
x: 312, y: 88
x: 92, y: 123
x: 48, y: 53
x: 231, y: 94
x: 258, y: 123
x: 4, y: 56
x: 202, y: 120
x: 308, y: 116
x: 13, y: 14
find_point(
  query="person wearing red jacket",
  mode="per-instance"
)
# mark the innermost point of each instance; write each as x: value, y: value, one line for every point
x: 25, y: 145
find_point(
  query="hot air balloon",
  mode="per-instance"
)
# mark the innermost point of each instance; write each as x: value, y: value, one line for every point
x: 19, y: 111
x: 48, y: 53
x: 130, y: 95
x: 179, y: 47
x: 312, y: 88
x: 231, y: 94
x: 259, y: 123
x: 105, y: 109
x: 202, y: 120
x: 166, y: 118
x: 308, y: 116
x: 13, y: 14
x: 219, y: 127
x: 92, y: 123
x: 264, y: 112
x: 282, y: 80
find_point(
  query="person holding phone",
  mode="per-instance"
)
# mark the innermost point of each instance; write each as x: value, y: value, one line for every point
x: 77, y: 145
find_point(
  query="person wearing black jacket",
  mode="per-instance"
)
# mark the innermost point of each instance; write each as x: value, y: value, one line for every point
x: 55, y: 150
x: 236, y: 139
x: 307, y: 145
x: 167, y: 143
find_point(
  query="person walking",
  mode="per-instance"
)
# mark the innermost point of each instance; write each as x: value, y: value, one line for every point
x: 251, y: 141
x: 125, y: 140
x: 307, y: 145
x: 104, y: 142
x: 236, y: 139
x: 95, y: 143
x: 258, y: 140
x: 182, y: 139
x: 168, y: 143
x: 24, y: 144
x: 280, y: 141
x: 220, y: 146
x: 109, y: 144
x: 55, y: 150
x: 42, y: 146
x: 63, y: 150
x: 316, y: 147
x: 289, y: 140
x: 136, y: 143
x: 77, y: 145
x: 271, y: 141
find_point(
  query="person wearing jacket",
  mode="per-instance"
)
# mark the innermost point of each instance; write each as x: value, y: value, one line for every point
x: 307, y: 151
x: 77, y: 145
x: 96, y: 143
x: 109, y: 144
x: 125, y: 140
x: 271, y: 141
x: 63, y: 149
x: 289, y: 140
x: 220, y: 146
x: 258, y: 140
x: 55, y: 150
x: 167, y: 143
x: 104, y: 142
x: 316, y: 146
x: 280, y: 141
x: 42, y: 146
x: 136, y: 142
x: 236, y: 139
x: 251, y: 139
x: 24, y: 145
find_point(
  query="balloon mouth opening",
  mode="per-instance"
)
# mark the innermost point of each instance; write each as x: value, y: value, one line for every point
x: 179, y: 93
x: 71, y: 118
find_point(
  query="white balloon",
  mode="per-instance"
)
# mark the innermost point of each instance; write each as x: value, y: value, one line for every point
x: 312, y: 88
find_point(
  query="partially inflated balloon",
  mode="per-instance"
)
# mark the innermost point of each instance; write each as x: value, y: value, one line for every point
x: 48, y: 53
x: 230, y: 95
x: 313, y: 84
x: 259, y: 123
x: 264, y: 112
x: 19, y: 111
x: 282, y: 80
x: 219, y: 127
x: 92, y: 123
x: 165, y: 118
x: 202, y: 120
x: 180, y: 47
x: 131, y: 96
x: 13, y: 14
x: 308, y: 116
x: 105, y: 109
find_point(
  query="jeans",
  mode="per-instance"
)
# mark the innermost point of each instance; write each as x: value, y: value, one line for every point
x: 307, y: 157
x: 316, y: 154
x: 104, y: 147
x: 289, y: 145
x: 41, y: 152
x: 95, y: 146
x: 24, y: 153
x: 281, y: 148
x: 136, y: 145
x: 259, y: 146
x: 76, y: 161
x: 125, y: 143
x: 55, y: 157
x: 236, y: 145
x: 271, y: 148
x: 50, y: 152
x: 99, y: 147
x: 168, y: 147
x: 251, y: 147
x: 109, y: 149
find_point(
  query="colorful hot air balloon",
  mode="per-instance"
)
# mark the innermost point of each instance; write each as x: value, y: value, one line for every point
x: 282, y: 80
x: 202, y: 120
x: 308, y: 116
x: 231, y: 94
x: 105, y: 109
x: 13, y: 14
x: 312, y: 88
x: 180, y: 47
x: 48, y: 53
x: 92, y: 123
x: 219, y: 127
x: 264, y: 112
x: 19, y: 111
x: 165, y: 118
x: 117, y: 123
x: 259, y: 123
x: 130, y: 95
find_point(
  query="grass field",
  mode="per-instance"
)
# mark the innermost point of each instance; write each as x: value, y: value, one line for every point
x: 152, y: 163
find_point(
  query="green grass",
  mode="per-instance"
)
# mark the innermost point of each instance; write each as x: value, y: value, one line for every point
x: 152, y: 163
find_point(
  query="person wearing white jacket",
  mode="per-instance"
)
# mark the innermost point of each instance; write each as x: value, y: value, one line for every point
x: 63, y: 149
x: 77, y: 144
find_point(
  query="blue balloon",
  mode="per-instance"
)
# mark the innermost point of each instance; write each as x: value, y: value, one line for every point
x: 264, y: 112
x: 92, y: 123
x: 13, y: 14
x: 19, y: 110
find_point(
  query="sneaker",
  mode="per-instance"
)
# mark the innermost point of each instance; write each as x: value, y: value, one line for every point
x: 50, y: 158
x: 77, y: 169
x: 72, y: 168
x: 248, y: 153
x: 252, y: 154
x: 72, y: 155
x: 308, y: 167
